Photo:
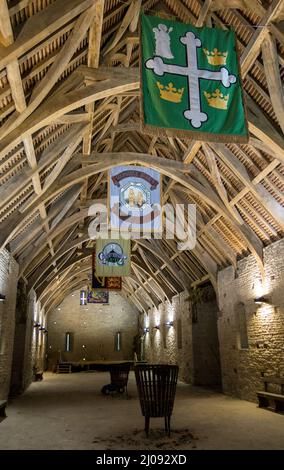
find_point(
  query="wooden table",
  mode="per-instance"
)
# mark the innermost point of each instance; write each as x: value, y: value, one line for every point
x: 119, y: 371
x: 100, y: 365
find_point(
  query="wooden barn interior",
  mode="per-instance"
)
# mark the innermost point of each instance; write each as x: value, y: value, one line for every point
x: 70, y: 111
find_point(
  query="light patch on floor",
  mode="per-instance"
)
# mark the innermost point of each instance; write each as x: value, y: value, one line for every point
x: 69, y: 412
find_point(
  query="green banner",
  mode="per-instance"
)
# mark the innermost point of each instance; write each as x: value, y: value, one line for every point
x: 113, y: 257
x: 190, y: 82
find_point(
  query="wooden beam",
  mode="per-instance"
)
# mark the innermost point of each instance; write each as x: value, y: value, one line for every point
x: 258, y: 191
x: 163, y: 293
x: 203, y: 13
x: 191, y: 151
x: 57, y: 106
x: 6, y: 32
x: 56, y: 230
x: 15, y: 81
x: 21, y: 180
x: 132, y: 13
x: 41, y: 25
x: 70, y: 263
x: 73, y: 118
x: 64, y: 158
x: 61, y: 61
x: 154, y: 299
x: 41, y: 270
x: 262, y: 128
x: 156, y: 250
x: 215, y: 174
x: 149, y: 277
x: 206, y: 260
x: 274, y: 81
x: 95, y: 35
x: 252, y: 49
x: 140, y: 301
x: 225, y: 4
x: 228, y: 252
x: 15, y: 221
x: 260, y: 10
x: 14, y: 76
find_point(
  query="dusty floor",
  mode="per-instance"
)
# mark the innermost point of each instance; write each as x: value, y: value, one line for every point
x: 69, y: 412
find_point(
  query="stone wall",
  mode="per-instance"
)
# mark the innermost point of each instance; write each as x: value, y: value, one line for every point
x: 251, y: 336
x: 8, y: 287
x: 245, y: 359
x: 191, y: 342
x: 29, y: 342
x: 163, y: 344
x: 35, y: 347
x: 21, y: 326
x: 93, y: 329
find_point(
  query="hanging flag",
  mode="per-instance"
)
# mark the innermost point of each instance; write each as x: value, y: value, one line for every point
x: 113, y: 257
x: 190, y: 82
x: 135, y: 199
x: 104, y: 283
x: 98, y: 297
x: 83, y: 297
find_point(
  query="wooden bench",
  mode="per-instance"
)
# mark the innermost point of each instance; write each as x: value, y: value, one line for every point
x: 272, y: 400
x: 64, y: 368
x: 3, y: 404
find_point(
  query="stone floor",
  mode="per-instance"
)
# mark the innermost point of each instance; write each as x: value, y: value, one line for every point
x: 69, y: 412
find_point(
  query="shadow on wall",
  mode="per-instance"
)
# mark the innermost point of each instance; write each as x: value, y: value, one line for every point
x: 205, y: 344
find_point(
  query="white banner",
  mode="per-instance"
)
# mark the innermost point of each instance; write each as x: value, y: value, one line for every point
x: 135, y: 199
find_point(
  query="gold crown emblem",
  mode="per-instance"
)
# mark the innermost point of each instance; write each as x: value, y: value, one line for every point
x: 217, y: 99
x: 216, y: 57
x: 170, y: 93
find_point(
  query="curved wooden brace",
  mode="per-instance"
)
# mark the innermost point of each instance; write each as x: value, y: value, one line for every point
x: 166, y: 168
x: 44, y: 287
x: 113, y: 82
x: 44, y: 296
x: 56, y: 105
x: 49, y: 289
x: 146, y: 293
x: 80, y: 283
x: 149, y: 287
x: 76, y: 285
x: 43, y: 290
x: 220, y: 243
x: 58, y: 289
x: 155, y: 288
x: 165, y: 259
x: 143, y: 306
x: 167, y: 292
x: 61, y: 227
x: 39, y: 272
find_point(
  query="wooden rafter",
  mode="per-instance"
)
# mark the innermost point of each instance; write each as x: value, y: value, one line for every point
x: 57, y: 96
